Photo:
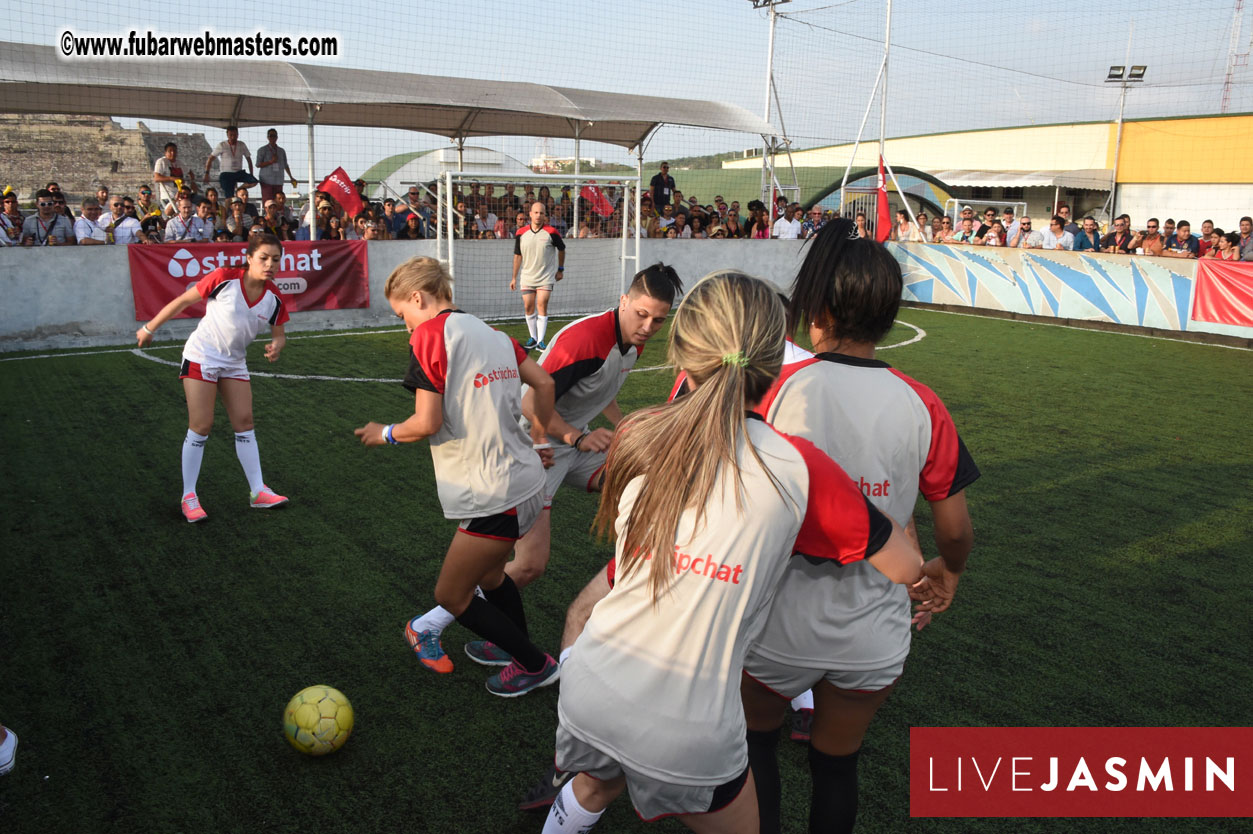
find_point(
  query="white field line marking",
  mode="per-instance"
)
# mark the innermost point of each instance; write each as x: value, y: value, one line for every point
x: 180, y: 346
x: 919, y: 335
x: 143, y: 355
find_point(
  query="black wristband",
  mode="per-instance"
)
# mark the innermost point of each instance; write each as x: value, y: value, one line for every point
x: 579, y: 440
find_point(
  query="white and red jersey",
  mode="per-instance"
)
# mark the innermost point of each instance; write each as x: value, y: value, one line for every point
x: 484, y: 463
x: 656, y: 686
x: 895, y: 439
x: 231, y: 320
x: 588, y: 362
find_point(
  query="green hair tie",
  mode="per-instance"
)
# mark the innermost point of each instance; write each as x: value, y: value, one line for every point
x: 737, y: 358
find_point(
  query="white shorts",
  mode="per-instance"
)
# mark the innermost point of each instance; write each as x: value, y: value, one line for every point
x: 574, y: 469
x: 548, y: 287
x: 652, y: 798
x: 510, y: 525
x: 212, y: 373
x: 789, y: 681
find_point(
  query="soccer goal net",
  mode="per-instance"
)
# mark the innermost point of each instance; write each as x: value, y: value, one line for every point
x: 481, y: 214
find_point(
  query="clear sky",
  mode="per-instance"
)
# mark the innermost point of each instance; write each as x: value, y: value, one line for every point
x: 953, y: 66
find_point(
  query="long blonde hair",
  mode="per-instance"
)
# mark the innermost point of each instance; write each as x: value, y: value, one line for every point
x: 728, y: 336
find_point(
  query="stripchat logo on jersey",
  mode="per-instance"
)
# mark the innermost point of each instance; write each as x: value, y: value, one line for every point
x: 483, y: 380
x: 183, y: 264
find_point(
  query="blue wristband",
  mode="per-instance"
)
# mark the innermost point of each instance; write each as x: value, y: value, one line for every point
x: 387, y: 434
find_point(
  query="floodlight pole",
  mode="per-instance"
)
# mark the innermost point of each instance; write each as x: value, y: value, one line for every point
x: 768, y: 143
x: 1122, y: 80
x: 883, y: 98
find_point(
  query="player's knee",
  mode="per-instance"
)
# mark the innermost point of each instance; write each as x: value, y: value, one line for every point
x: 243, y: 423
x: 199, y: 427
x: 525, y: 571
x: 455, y: 600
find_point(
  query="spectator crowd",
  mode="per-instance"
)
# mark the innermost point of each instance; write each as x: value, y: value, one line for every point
x: 1170, y: 239
x: 174, y: 209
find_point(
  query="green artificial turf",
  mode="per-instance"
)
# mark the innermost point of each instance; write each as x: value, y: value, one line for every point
x: 146, y: 661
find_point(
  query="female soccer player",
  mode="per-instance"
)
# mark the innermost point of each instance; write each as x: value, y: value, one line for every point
x: 845, y: 631
x: 707, y: 505
x: 467, y: 384
x: 240, y: 301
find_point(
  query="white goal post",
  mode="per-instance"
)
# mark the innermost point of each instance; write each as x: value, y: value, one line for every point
x: 598, y: 269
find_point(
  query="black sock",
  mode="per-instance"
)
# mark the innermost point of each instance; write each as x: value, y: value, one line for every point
x: 490, y: 623
x: 507, y: 598
x: 833, y: 806
x: 764, y: 760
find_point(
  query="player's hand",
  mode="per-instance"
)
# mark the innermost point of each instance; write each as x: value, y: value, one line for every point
x: 921, y: 620
x: 598, y: 440
x: 371, y: 434
x: 561, y: 273
x: 144, y: 337
x: 935, y: 591
x: 513, y: 284
x: 274, y: 348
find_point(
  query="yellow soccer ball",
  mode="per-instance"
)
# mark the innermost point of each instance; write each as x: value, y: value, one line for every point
x: 318, y: 720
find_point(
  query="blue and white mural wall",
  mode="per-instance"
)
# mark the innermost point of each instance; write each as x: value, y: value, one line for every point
x: 1125, y: 289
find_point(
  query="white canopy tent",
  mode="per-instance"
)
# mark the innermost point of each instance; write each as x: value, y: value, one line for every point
x: 34, y: 79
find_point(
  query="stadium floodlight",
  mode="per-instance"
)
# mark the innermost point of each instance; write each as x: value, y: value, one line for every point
x: 1136, y: 73
x: 1116, y: 73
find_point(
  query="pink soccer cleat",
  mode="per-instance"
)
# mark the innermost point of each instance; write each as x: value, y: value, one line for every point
x: 266, y: 498
x: 191, y: 508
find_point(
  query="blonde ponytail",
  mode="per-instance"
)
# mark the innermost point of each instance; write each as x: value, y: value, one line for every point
x: 728, y: 336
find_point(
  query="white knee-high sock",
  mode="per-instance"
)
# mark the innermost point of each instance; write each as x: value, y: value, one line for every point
x: 541, y: 326
x: 805, y: 700
x: 193, y: 453
x: 530, y: 324
x: 567, y: 816
x: 249, y: 458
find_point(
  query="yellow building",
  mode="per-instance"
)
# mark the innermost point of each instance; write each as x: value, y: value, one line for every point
x: 1194, y: 168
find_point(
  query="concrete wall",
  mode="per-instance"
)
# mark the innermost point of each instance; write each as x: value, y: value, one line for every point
x: 65, y: 297
x: 1224, y: 204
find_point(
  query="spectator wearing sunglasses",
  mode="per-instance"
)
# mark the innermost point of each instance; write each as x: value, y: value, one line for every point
x: 47, y: 226
x: 813, y: 223
x: 945, y: 234
x: 124, y: 228
x: 10, y: 221
x: 145, y: 206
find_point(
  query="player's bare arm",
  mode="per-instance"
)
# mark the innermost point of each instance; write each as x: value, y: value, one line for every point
x: 613, y: 412
x: 426, y: 420
x: 537, y: 404
x: 146, y: 331
x: 277, y: 342
x: 517, y: 264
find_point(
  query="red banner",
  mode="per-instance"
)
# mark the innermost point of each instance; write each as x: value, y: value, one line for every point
x: 327, y: 275
x: 596, y: 199
x: 339, y: 186
x: 1080, y: 771
x: 1224, y: 292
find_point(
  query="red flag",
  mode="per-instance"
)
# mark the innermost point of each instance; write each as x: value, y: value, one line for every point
x: 594, y: 197
x: 340, y: 186
x: 883, y: 222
